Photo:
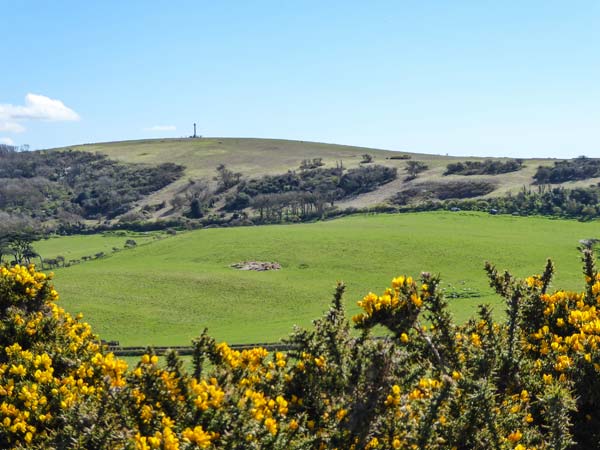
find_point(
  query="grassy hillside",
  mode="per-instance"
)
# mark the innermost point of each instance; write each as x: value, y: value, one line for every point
x: 166, y: 292
x: 78, y: 246
x: 252, y: 157
x: 257, y: 157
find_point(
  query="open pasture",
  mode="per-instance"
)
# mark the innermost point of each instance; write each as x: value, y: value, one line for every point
x: 77, y: 247
x: 166, y: 292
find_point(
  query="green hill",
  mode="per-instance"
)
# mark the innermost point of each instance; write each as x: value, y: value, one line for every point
x: 233, y: 181
x: 254, y: 158
x: 199, y: 182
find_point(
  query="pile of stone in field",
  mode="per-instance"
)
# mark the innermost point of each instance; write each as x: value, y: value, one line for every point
x: 256, y: 265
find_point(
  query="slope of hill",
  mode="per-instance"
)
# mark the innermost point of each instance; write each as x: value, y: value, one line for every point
x: 258, y: 157
x: 291, y: 179
x: 250, y: 157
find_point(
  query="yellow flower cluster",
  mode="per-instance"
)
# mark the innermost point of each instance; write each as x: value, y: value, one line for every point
x: 251, y: 359
x: 425, y: 389
x: 199, y: 437
x: 264, y: 409
x: 207, y: 395
x: 393, y: 399
x: 403, y: 294
x: 570, y: 334
x: 165, y: 439
x: 25, y: 280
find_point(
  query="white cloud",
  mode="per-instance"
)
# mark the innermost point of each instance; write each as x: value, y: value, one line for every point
x: 36, y: 107
x: 161, y: 128
x: 11, y: 127
x: 7, y: 141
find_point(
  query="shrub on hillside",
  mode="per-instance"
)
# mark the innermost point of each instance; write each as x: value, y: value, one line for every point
x: 308, y: 164
x: 580, y: 168
x: 529, y: 382
x: 485, y: 167
x: 44, y: 184
x: 581, y: 203
x: 443, y: 191
x: 302, y: 195
x: 414, y: 168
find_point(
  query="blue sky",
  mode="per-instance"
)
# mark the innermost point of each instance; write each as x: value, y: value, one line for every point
x: 482, y: 78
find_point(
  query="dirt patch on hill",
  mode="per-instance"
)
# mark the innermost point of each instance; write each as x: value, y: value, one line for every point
x: 258, y: 266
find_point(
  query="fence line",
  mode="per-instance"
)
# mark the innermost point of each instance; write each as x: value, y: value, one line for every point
x: 188, y: 350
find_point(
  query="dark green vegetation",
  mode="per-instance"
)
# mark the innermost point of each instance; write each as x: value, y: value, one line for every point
x: 486, y: 167
x: 71, y: 186
x: 16, y: 244
x: 580, y: 203
x: 577, y: 203
x: 166, y: 292
x: 442, y: 191
x: 306, y: 193
x: 581, y: 168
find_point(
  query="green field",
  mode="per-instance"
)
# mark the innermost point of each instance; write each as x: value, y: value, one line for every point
x: 166, y: 292
x: 78, y: 246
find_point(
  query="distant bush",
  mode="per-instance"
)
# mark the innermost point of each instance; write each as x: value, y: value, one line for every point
x: 237, y: 201
x: 302, y: 195
x: 414, y: 168
x: 580, y: 168
x: 226, y: 178
x: 130, y: 243
x: 366, y: 159
x: 308, y: 164
x: 459, y: 189
x: 443, y: 191
x: 365, y: 179
x: 486, y: 167
x: 79, y: 184
x: 579, y: 203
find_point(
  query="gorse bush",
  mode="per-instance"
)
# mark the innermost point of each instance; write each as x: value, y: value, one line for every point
x: 529, y: 382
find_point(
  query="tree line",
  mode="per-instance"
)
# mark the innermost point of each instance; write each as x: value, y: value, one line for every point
x: 305, y: 193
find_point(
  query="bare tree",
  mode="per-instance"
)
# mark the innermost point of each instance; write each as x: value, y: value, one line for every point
x: 226, y: 178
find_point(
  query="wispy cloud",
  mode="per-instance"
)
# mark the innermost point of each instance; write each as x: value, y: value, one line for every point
x: 7, y: 141
x: 161, y: 128
x: 36, y: 107
x: 11, y: 127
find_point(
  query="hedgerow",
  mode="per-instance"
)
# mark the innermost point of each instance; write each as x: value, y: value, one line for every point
x: 531, y: 381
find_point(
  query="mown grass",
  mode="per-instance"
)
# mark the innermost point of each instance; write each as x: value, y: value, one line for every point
x: 166, y: 292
